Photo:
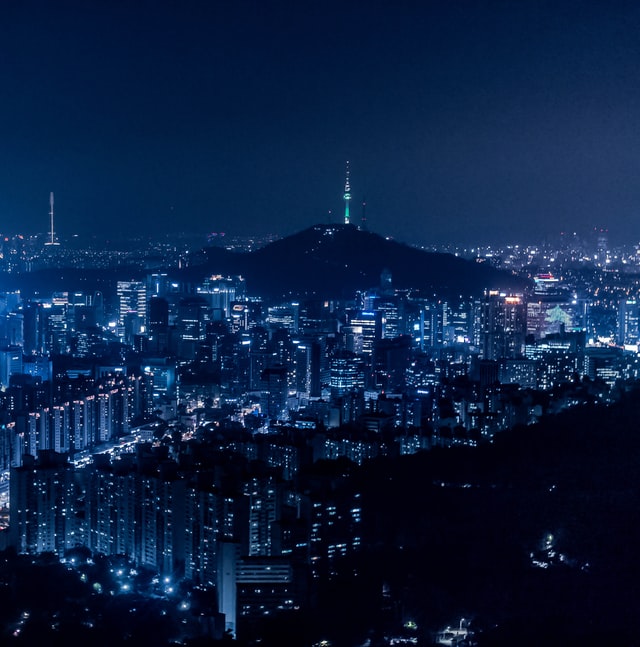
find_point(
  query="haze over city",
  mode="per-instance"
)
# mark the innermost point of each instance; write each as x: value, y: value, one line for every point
x: 462, y: 121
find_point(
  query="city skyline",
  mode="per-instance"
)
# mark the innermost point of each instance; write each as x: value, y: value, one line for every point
x: 333, y: 335
x: 243, y: 453
x: 460, y: 122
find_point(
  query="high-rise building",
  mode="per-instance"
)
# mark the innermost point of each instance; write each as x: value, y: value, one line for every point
x: 263, y: 499
x: 503, y: 325
x: 10, y: 363
x: 132, y: 307
x: 629, y: 322
x: 274, y: 392
x: 392, y: 358
x: 158, y: 313
x: 346, y: 372
x: 365, y: 326
x: 12, y: 327
x: 220, y: 292
x: 42, y: 507
x: 201, y: 535
x: 191, y: 321
x: 158, y: 317
x: 284, y: 316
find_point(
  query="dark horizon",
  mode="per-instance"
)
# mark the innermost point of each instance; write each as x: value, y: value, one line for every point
x: 462, y: 123
x: 200, y: 238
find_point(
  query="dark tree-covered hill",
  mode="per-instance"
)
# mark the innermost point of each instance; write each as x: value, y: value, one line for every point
x: 333, y: 261
x: 321, y: 262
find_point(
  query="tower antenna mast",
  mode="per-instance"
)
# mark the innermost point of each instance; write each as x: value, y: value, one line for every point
x: 52, y: 239
x: 347, y: 197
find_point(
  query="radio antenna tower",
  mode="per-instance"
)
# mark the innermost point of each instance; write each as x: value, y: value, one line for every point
x: 52, y: 239
x: 347, y: 197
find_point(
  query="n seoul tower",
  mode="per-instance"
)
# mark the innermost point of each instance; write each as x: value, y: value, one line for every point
x: 347, y: 197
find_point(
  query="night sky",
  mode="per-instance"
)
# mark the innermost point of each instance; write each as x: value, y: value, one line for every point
x: 462, y: 121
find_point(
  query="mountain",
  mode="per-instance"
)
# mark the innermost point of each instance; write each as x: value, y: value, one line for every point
x: 321, y: 262
x: 334, y: 261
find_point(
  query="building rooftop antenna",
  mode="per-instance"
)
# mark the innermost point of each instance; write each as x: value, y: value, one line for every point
x: 364, y: 215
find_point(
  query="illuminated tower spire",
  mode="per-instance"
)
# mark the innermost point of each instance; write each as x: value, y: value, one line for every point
x: 52, y: 239
x: 347, y: 197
